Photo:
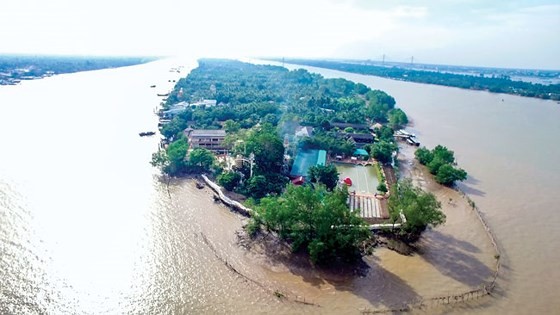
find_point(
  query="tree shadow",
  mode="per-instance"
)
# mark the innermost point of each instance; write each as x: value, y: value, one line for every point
x: 364, y: 277
x: 468, y: 187
x: 453, y: 258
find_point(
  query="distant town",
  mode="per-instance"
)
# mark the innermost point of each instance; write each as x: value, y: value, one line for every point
x: 15, y: 68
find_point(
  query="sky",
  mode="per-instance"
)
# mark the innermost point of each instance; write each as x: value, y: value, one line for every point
x: 497, y: 33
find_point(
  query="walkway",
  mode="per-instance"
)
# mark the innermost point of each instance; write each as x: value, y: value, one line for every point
x: 369, y: 206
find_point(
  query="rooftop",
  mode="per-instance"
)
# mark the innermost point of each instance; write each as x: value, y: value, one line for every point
x: 208, y: 133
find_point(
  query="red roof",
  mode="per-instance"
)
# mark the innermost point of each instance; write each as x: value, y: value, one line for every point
x: 298, y: 181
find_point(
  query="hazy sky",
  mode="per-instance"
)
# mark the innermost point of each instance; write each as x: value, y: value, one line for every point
x: 514, y: 33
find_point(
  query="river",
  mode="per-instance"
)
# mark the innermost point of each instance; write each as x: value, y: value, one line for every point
x: 510, y: 148
x: 88, y: 227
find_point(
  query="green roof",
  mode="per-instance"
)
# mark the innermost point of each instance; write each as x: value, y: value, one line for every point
x: 307, y: 158
x: 361, y: 152
x: 322, y: 157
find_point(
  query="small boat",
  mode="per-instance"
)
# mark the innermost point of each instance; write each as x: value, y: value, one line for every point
x: 162, y: 94
x: 146, y: 133
x: 153, y: 86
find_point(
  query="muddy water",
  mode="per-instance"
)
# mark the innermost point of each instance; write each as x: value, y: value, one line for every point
x: 508, y: 145
x: 87, y: 226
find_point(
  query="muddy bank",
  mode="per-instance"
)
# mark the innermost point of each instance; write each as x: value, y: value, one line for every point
x: 454, y: 258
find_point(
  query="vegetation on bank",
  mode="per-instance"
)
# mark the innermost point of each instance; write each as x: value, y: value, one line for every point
x: 495, y: 84
x: 23, y: 67
x: 314, y: 219
x: 176, y: 159
x: 260, y: 107
x: 420, y: 208
x: 440, y: 162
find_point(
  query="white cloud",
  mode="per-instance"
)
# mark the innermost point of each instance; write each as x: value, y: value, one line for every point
x: 336, y: 28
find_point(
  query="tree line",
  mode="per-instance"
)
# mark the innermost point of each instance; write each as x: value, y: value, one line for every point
x: 26, y: 66
x: 495, y: 84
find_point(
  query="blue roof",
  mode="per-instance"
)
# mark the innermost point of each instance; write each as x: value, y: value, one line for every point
x: 361, y: 152
x: 322, y: 158
x: 307, y: 158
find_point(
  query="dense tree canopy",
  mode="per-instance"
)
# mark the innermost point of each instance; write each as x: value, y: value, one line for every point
x: 268, y: 149
x: 201, y: 159
x: 439, y: 162
x: 382, y: 151
x: 420, y: 208
x: 172, y: 160
x: 326, y: 175
x: 316, y: 220
x: 493, y: 83
x: 397, y: 118
x: 229, y: 180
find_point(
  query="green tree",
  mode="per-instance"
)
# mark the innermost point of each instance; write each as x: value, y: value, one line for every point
x: 382, y: 188
x: 160, y: 160
x: 435, y: 165
x: 384, y: 134
x: 201, y: 159
x: 176, y: 152
x: 397, y: 118
x: 439, y: 162
x: 257, y: 186
x: 383, y: 151
x: 229, y: 180
x: 424, y: 156
x: 447, y: 175
x: 268, y: 148
x: 420, y: 209
x: 326, y: 175
x: 317, y: 220
x: 231, y: 126
x: 444, y: 154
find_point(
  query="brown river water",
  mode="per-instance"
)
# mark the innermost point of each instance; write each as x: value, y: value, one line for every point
x: 88, y: 227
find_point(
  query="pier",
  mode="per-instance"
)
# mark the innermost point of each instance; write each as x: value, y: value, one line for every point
x: 410, y: 138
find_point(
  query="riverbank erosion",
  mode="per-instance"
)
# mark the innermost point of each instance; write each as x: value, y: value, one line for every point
x: 450, y: 260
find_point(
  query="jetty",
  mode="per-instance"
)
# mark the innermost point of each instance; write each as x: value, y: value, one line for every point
x: 408, y: 137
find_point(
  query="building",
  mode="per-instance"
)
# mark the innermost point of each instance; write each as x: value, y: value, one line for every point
x: 343, y: 126
x: 205, y: 103
x: 304, y: 131
x: 306, y: 159
x: 359, y: 139
x: 208, y: 139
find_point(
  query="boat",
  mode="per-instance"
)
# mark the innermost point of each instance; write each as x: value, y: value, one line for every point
x: 163, y: 94
x: 153, y: 86
x: 146, y: 133
x: 199, y: 185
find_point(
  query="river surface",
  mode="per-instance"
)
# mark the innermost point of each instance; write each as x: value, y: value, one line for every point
x: 509, y: 146
x: 88, y: 227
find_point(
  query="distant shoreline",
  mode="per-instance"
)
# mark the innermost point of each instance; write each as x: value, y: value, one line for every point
x: 497, y: 84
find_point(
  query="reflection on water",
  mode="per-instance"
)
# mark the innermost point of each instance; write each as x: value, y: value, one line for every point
x: 508, y: 146
x: 88, y: 227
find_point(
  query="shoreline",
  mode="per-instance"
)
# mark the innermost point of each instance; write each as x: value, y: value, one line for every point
x: 428, y: 262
